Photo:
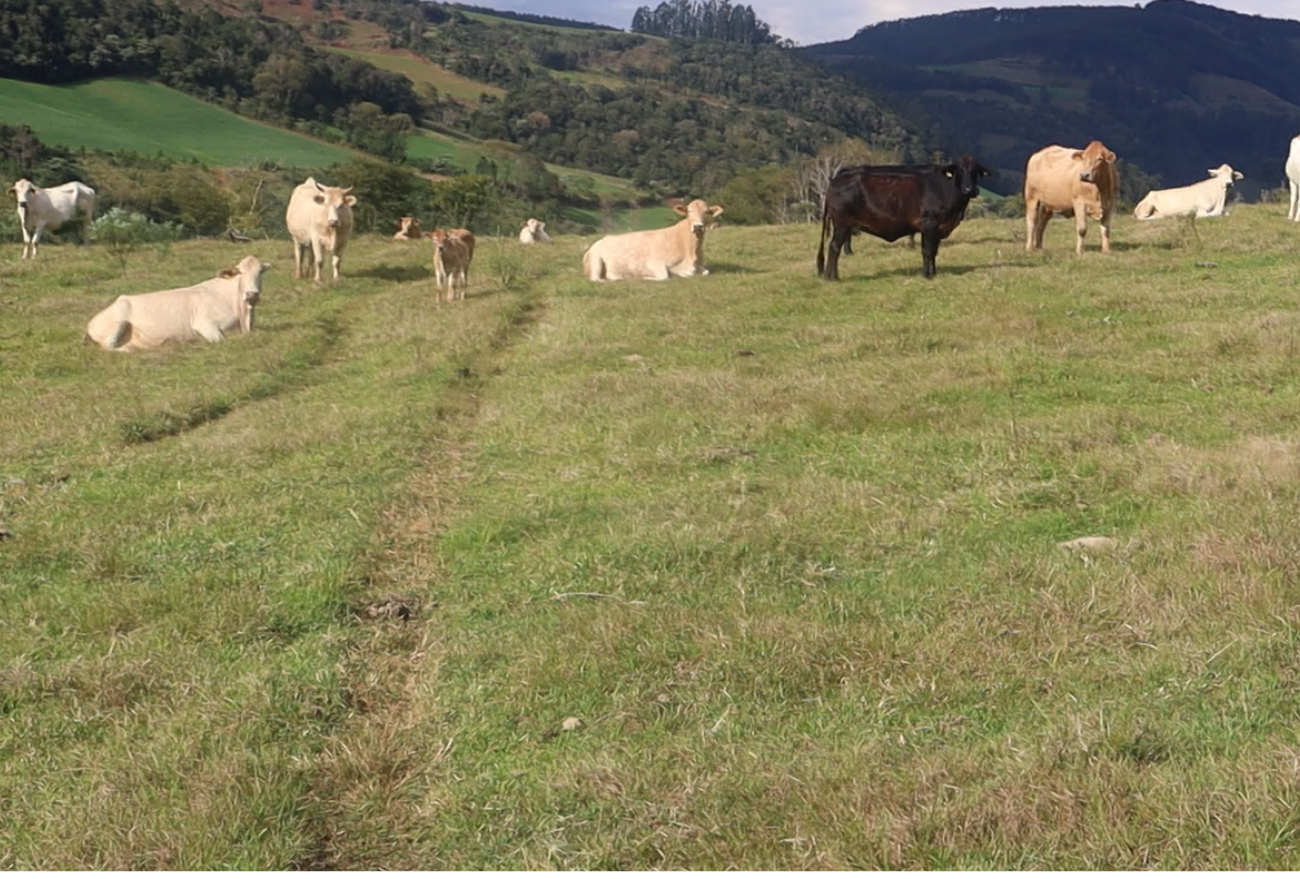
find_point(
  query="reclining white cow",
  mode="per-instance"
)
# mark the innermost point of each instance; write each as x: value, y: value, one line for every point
x: 1207, y: 198
x: 656, y: 254
x: 209, y: 310
x: 534, y: 232
x: 40, y: 209
x: 1293, y: 179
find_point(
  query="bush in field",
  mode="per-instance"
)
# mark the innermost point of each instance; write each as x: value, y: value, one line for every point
x: 122, y: 233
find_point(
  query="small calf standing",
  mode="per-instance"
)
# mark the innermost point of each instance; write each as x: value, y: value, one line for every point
x: 410, y: 229
x: 209, y: 310
x: 452, y: 253
x: 656, y: 254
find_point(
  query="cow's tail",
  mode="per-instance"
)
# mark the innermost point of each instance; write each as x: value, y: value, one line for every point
x: 821, y: 245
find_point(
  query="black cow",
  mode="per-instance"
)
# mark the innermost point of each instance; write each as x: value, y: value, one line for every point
x: 891, y: 201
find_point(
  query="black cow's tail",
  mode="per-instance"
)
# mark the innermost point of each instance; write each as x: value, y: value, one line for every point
x: 821, y: 246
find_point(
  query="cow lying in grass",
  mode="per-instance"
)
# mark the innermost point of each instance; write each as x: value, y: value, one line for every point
x: 453, y: 251
x: 1208, y: 198
x: 656, y: 254
x: 534, y: 232
x: 410, y: 229
x: 210, y: 310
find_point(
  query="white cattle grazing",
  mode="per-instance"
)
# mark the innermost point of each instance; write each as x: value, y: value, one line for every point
x: 452, y: 253
x: 320, y: 218
x: 656, y: 254
x: 209, y: 310
x: 410, y: 230
x: 40, y: 209
x: 1206, y: 198
x: 534, y: 232
x: 1293, y: 178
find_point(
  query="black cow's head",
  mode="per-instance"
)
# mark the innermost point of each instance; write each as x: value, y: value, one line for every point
x: 966, y: 173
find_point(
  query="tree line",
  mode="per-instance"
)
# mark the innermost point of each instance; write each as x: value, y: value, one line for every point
x: 703, y: 20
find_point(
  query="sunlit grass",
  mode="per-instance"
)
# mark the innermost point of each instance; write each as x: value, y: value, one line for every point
x: 750, y: 570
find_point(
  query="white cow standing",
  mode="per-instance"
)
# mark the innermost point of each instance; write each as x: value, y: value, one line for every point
x: 656, y: 254
x: 1293, y: 178
x: 1208, y: 198
x: 534, y: 232
x: 40, y: 209
x: 320, y: 218
x: 210, y: 310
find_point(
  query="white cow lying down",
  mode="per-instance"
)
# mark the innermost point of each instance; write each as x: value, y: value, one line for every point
x: 655, y: 254
x: 1207, y: 198
x: 208, y: 310
x: 534, y: 232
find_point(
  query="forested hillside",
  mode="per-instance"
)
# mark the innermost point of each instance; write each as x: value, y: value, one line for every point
x: 1175, y: 87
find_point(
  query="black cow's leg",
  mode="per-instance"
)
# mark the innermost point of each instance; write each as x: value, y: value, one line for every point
x: 838, y: 240
x: 929, y: 250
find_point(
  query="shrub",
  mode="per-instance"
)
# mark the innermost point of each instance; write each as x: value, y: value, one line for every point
x: 122, y: 233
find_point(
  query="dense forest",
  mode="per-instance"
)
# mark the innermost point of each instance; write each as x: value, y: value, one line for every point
x: 1175, y: 87
x: 703, y: 20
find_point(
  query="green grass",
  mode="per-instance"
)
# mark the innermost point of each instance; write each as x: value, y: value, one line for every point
x: 743, y: 571
x: 421, y: 70
x: 145, y: 117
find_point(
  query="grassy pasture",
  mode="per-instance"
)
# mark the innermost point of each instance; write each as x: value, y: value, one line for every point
x: 748, y: 570
x: 145, y: 117
x: 421, y: 70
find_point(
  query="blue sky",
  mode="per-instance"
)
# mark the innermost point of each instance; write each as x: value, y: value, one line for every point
x: 819, y: 21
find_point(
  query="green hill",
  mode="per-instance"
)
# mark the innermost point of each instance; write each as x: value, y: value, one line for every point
x: 144, y: 117
x: 1172, y: 86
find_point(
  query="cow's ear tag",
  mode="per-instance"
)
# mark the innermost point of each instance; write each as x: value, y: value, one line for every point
x: 947, y: 173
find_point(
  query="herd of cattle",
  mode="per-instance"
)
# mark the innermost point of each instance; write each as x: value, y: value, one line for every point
x: 888, y: 201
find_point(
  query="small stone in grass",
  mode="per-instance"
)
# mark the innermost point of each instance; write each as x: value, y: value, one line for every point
x: 570, y: 724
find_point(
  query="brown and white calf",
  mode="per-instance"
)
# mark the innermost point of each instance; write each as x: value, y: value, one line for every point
x: 453, y: 251
x: 410, y: 229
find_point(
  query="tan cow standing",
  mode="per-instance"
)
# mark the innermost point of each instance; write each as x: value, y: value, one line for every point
x: 656, y: 254
x: 410, y: 229
x: 1078, y: 183
x: 453, y: 251
x: 51, y: 208
x: 210, y: 310
x: 320, y: 218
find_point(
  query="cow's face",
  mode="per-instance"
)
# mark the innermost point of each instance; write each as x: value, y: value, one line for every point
x: 966, y: 173
x: 698, y: 213
x: 333, y: 199
x: 1226, y: 174
x: 410, y: 227
x: 22, y: 190
x: 249, y: 272
x: 439, y: 238
x: 1093, y: 158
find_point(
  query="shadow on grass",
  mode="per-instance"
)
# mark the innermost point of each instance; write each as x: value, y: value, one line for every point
x: 395, y: 273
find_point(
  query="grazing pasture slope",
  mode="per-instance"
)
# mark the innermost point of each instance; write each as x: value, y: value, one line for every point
x: 745, y: 570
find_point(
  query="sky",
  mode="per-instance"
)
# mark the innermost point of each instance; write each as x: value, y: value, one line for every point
x: 820, y: 21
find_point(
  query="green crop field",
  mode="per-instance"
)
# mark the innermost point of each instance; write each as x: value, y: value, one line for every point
x: 744, y: 571
x: 145, y: 117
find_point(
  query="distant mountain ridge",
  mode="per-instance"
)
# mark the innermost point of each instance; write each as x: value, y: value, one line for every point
x: 1174, y: 87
